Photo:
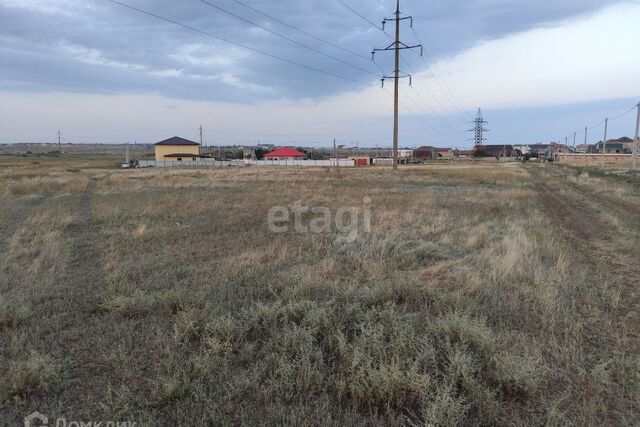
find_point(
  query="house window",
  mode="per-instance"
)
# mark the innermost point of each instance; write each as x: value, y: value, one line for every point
x: 179, y: 159
x: 193, y: 158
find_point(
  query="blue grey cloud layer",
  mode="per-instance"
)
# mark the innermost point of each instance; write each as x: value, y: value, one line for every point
x: 98, y: 47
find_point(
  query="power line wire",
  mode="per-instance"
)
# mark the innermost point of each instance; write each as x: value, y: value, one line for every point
x: 364, y: 18
x: 419, y: 118
x: 624, y: 114
x: 289, y: 39
x: 261, y: 52
x: 435, y: 98
x: 438, y: 77
x: 433, y: 115
x: 306, y: 33
x: 455, y: 132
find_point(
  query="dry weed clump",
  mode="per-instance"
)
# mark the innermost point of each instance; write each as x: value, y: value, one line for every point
x: 36, y: 374
x: 12, y: 313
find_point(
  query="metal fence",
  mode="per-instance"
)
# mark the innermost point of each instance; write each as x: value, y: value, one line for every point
x: 313, y: 163
x: 593, y: 158
x: 189, y: 164
x: 241, y: 163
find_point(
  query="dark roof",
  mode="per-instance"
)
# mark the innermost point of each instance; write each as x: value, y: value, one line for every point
x: 286, y: 152
x: 610, y: 145
x: 498, y: 147
x: 624, y: 139
x: 176, y: 140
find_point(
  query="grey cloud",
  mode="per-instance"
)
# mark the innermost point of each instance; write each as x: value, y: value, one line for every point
x: 136, y: 51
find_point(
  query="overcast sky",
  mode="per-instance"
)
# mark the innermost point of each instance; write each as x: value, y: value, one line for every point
x: 104, y: 73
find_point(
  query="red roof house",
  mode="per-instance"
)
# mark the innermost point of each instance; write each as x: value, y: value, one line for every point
x: 285, y: 153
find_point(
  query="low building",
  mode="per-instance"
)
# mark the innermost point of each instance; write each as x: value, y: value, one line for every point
x: 285, y: 153
x: 612, y: 148
x: 524, y: 149
x: 498, y: 151
x: 558, y: 148
x: 426, y: 152
x: 464, y: 154
x: 626, y: 141
x: 583, y: 148
x: 177, y: 149
x: 405, y: 153
x: 539, y: 150
x: 361, y: 161
x: 445, y: 153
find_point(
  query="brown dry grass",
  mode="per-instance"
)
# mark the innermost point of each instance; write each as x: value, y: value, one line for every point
x: 161, y: 296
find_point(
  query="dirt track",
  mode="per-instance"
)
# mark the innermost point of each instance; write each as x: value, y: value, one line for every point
x: 580, y: 212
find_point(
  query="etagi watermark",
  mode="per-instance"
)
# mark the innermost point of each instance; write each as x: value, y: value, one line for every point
x: 347, y: 221
x: 36, y: 419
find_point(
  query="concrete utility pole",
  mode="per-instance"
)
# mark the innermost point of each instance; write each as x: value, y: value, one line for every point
x: 586, y: 145
x: 396, y: 46
x: 574, y: 143
x: 637, y: 141
x: 59, y: 144
x: 396, y: 89
x: 202, y: 151
x: 335, y: 152
x: 604, y: 141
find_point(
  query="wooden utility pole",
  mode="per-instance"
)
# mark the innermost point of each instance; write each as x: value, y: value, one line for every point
x: 604, y: 141
x: 396, y: 46
x: 574, y: 143
x: 59, y: 144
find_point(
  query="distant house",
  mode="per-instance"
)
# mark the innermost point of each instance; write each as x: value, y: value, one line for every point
x: 613, y: 147
x: 556, y: 147
x: 405, y: 153
x: 464, y: 154
x: 627, y: 142
x: 426, y: 152
x: 177, y: 149
x: 523, y: 149
x: 444, y: 153
x: 585, y: 148
x: 500, y: 151
x: 539, y: 150
x: 285, y: 153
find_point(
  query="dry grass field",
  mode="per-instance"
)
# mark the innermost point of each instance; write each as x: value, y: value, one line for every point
x: 489, y: 294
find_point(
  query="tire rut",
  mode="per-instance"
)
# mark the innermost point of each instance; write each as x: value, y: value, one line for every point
x: 595, y: 246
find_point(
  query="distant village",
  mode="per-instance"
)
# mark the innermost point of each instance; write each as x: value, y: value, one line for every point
x: 179, y: 150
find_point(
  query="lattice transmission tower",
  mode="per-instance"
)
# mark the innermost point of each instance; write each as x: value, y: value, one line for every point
x: 479, y: 129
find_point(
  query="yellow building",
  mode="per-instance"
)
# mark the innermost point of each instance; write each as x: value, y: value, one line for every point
x: 177, y: 149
